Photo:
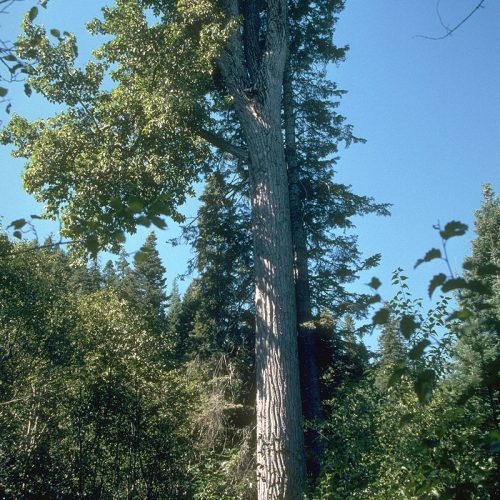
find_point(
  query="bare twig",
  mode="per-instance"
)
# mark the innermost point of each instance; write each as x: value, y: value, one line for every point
x: 450, y: 31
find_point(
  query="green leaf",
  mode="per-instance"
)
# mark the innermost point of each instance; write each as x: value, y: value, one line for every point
x: 454, y: 284
x: 381, y: 317
x: 158, y: 222
x: 55, y: 32
x: 417, y: 350
x: 3, y: 91
x: 452, y: 229
x: 408, y: 325
x: 17, y: 234
x: 27, y: 89
x: 119, y: 237
x: 18, y: 223
x: 10, y: 57
x: 462, y: 315
x: 374, y: 299
x: 135, y: 206
x: 432, y: 254
x: 143, y: 221
x: 116, y: 203
x: 436, y: 281
x: 33, y: 13
x: 374, y: 283
x: 141, y: 256
x: 424, y: 385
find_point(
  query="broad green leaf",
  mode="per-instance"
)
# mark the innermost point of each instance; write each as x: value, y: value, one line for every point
x: 55, y: 32
x: 158, y: 222
x: 462, y: 315
x: 143, y: 221
x: 135, y: 206
x: 17, y: 234
x: 381, y: 317
x: 3, y: 91
x: 374, y: 283
x: 18, y: 223
x: 417, y: 350
x: 432, y: 254
x: 408, y: 325
x: 436, y: 281
x: 452, y: 229
x: 454, y: 284
x: 27, y: 89
x: 424, y: 385
x: 33, y: 12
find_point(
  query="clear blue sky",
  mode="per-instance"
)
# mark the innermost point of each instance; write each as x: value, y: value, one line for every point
x: 430, y: 111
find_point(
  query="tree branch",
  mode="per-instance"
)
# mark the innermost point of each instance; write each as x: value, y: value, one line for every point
x: 450, y: 31
x: 221, y: 143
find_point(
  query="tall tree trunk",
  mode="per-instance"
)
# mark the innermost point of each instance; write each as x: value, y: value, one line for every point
x: 309, y: 372
x: 257, y: 100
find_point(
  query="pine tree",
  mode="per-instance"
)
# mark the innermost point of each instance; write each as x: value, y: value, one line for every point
x: 144, y: 286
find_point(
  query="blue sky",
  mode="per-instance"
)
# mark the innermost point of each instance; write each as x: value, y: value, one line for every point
x: 429, y: 110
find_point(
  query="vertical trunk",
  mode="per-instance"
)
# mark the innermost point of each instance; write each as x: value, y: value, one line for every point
x: 309, y: 373
x: 279, y: 431
x: 254, y: 81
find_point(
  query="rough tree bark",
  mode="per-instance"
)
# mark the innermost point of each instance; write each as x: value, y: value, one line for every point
x: 254, y: 81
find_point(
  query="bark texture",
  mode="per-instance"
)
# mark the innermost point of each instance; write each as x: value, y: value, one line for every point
x: 256, y: 89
